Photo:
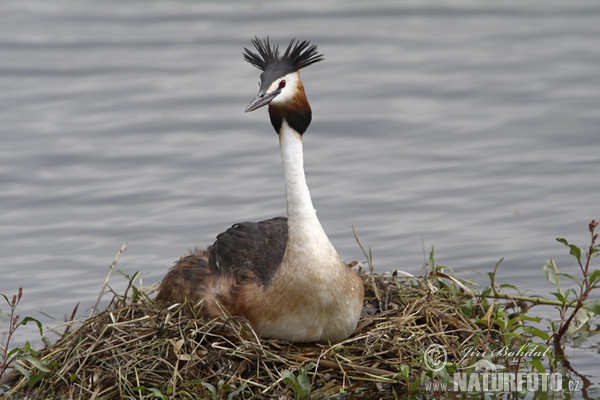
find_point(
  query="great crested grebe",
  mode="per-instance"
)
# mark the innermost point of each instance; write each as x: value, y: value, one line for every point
x: 282, y: 274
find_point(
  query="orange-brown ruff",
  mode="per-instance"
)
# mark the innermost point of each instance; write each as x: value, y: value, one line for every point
x: 282, y: 274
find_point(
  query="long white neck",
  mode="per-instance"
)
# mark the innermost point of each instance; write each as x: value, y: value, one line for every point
x: 303, y: 224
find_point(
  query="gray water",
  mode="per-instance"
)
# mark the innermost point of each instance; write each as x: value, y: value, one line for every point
x: 472, y: 127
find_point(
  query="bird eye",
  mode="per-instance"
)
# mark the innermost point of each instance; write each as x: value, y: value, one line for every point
x: 282, y: 84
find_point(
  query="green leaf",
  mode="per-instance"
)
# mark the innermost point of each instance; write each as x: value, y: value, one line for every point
x: 508, y: 285
x: 594, y: 276
x: 236, y: 392
x: 552, y: 274
x: 573, y: 250
x: 559, y: 296
x: 518, y: 331
x: 300, y: 384
x: 523, y: 317
x: 14, y: 351
x: 135, y: 295
x: 537, y: 364
x: 432, y: 259
x: 538, y: 333
x: 211, y: 389
x: 156, y: 392
x: 593, y: 306
x: 570, y: 292
x: 31, y: 319
x: 405, y: 370
x: 36, y: 362
x: 485, y: 292
x: 571, y: 277
x: 181, y: 393
x: 35, y: 379
x: 22, y: 370
x: 304, y: 383
x: 581, y: 318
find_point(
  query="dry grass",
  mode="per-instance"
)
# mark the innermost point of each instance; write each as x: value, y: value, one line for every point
x: 138, y: 349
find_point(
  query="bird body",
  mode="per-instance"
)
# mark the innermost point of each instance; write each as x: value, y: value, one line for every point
x: 283, y: 274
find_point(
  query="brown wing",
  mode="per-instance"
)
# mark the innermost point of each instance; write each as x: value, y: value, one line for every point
x: 248, y: 252
x: 190, y: 278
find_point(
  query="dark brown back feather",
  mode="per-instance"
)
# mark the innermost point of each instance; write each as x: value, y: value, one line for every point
x: 250, y: 250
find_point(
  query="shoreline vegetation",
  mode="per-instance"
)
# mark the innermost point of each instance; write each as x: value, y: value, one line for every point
x: 415, y: 331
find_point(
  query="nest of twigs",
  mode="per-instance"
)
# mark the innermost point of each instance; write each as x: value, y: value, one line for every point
x: 138, y: 349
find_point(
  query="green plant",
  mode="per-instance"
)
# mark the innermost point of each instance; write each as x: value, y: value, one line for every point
x: 300, y: 383
x: 520, y: 333
x: 222, y: 389
x: 575, y: 308
x: 17, y: 357
x: 412, y: 387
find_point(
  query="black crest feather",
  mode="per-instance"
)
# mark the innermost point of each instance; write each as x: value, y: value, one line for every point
x: 298, y: 55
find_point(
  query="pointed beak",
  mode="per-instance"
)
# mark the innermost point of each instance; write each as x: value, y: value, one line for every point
x: 261, y: 99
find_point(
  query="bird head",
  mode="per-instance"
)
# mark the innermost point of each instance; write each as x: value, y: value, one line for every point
x: 280, y: 83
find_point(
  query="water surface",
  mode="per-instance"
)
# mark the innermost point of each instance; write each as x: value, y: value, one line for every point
x: 466, y: 126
